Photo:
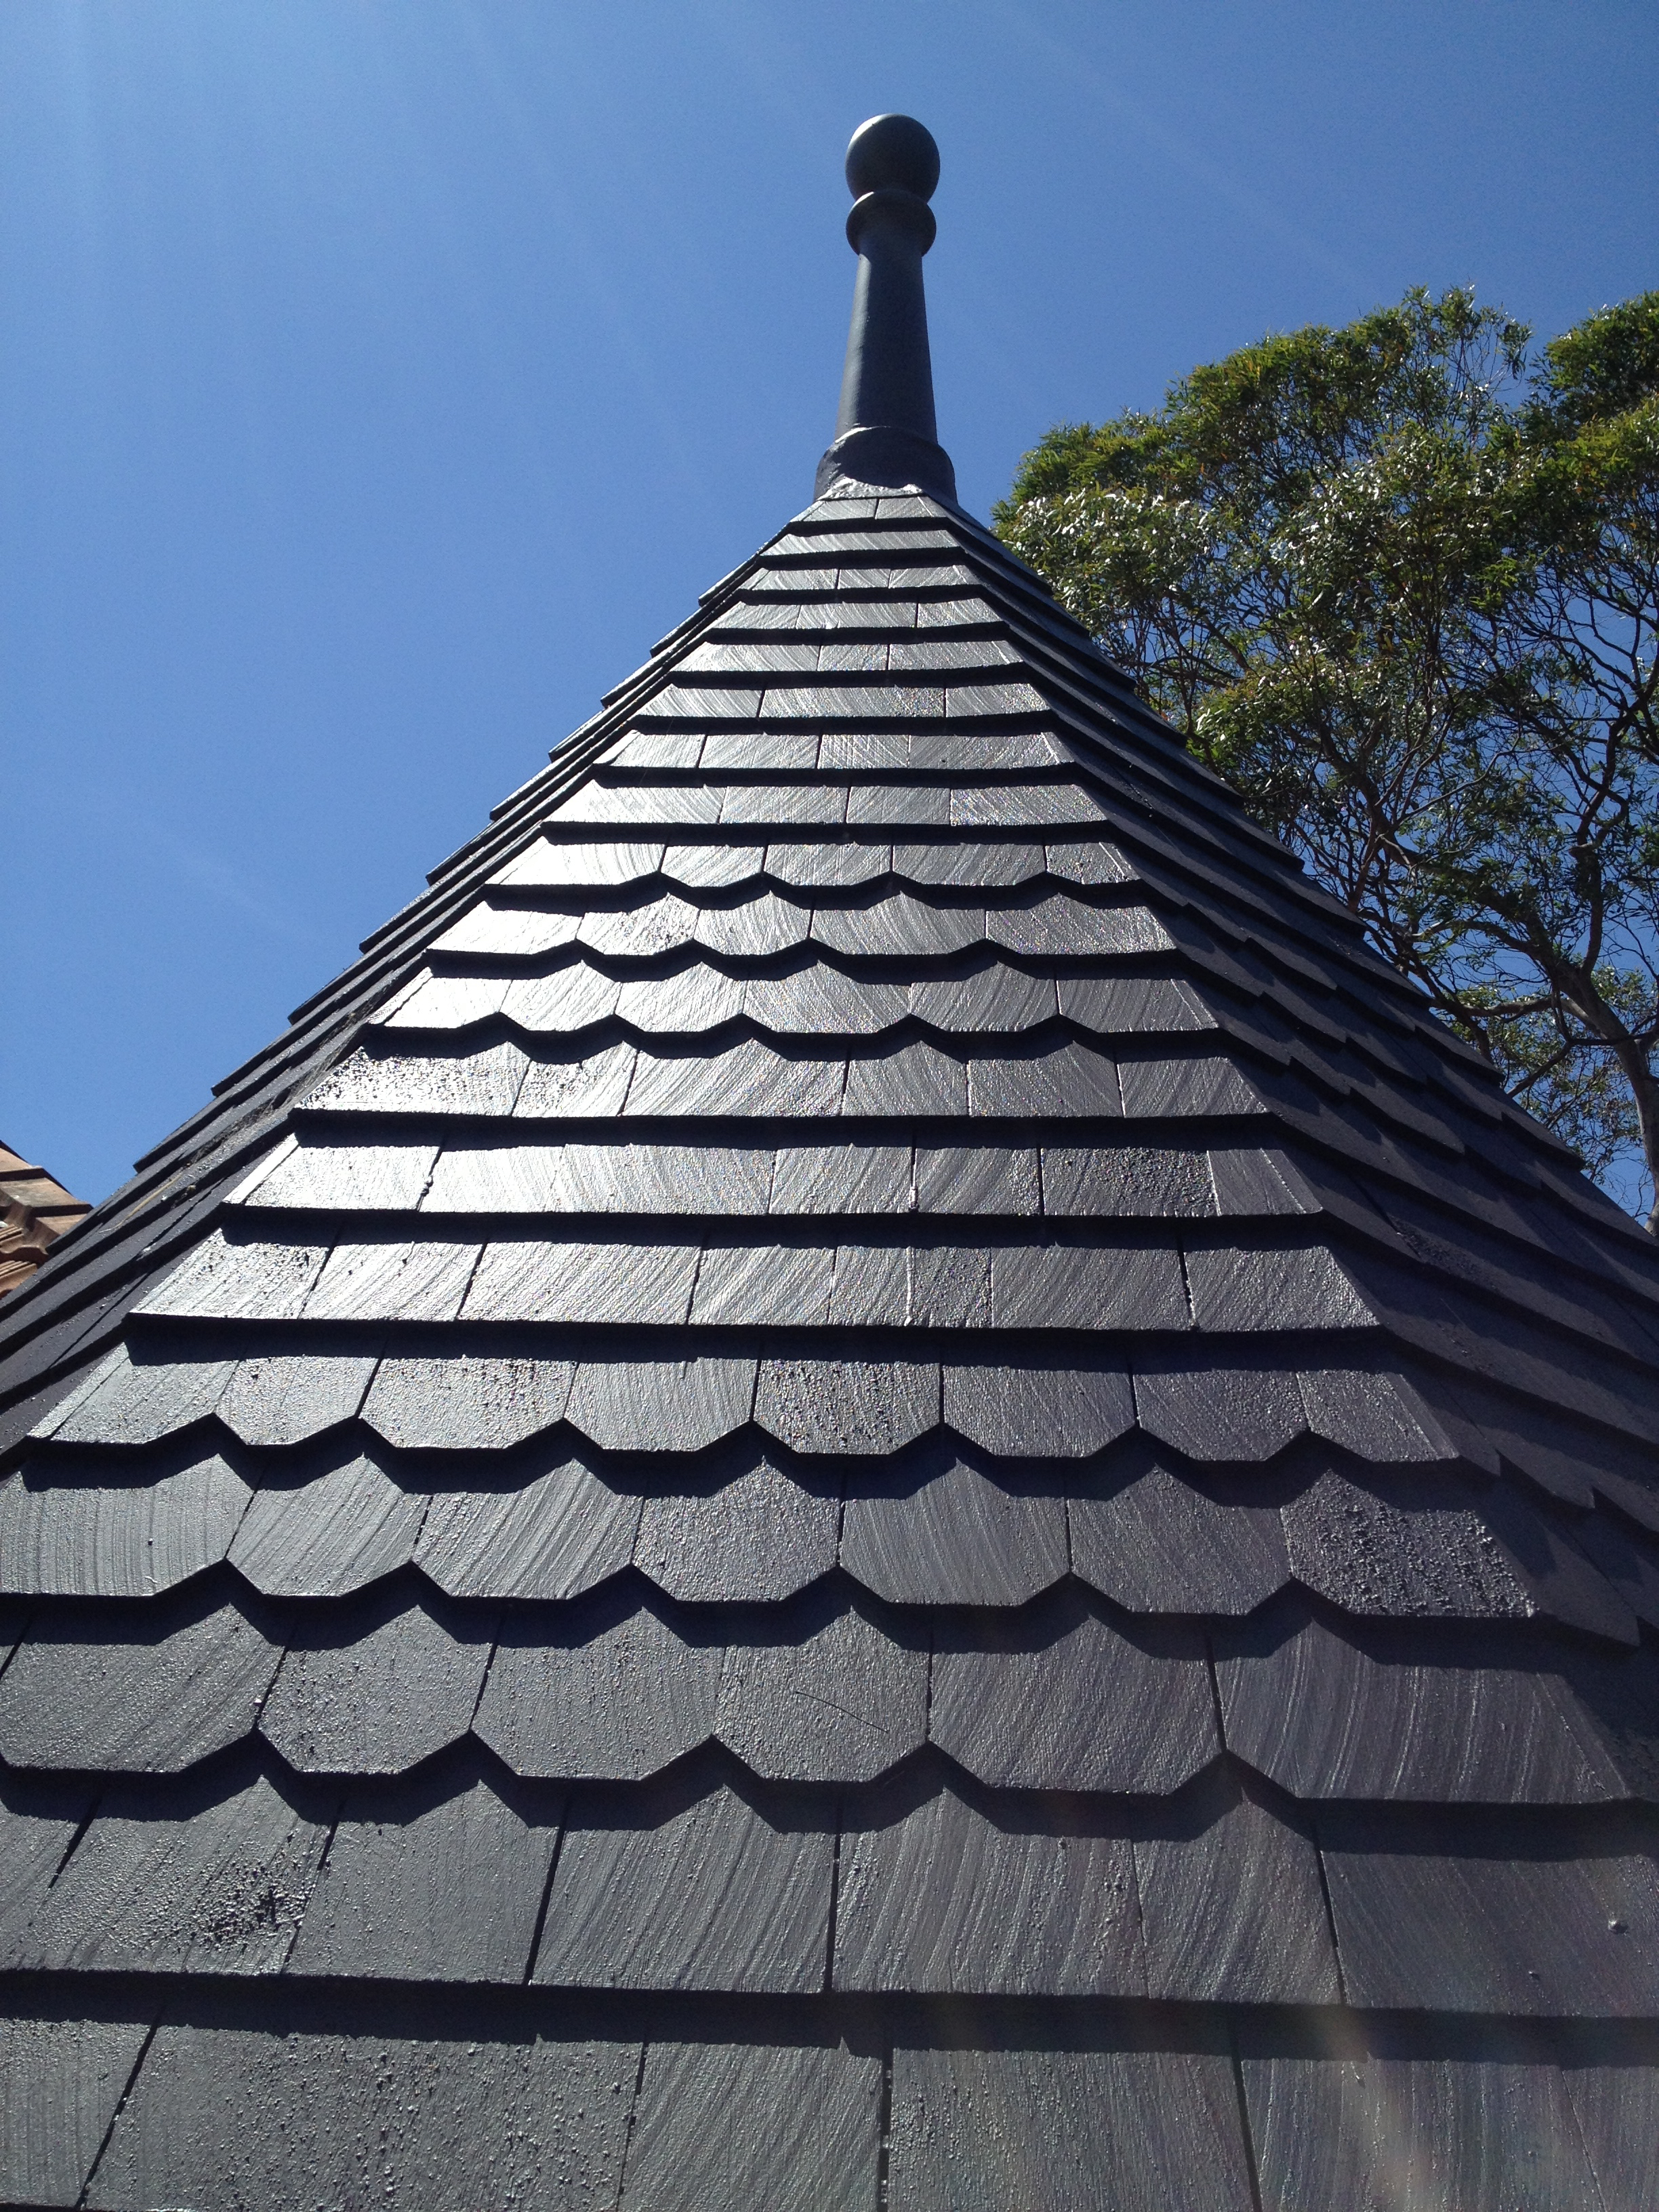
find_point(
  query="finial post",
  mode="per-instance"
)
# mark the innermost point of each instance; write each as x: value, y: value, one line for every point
x: 886, y: 432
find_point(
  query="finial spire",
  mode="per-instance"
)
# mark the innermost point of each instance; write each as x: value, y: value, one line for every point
x: 886, y: 432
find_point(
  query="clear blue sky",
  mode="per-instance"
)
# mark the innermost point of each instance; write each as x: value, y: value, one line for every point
x: 379, y: 377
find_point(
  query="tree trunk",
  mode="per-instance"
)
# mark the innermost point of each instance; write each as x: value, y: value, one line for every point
x: 1581, y: 993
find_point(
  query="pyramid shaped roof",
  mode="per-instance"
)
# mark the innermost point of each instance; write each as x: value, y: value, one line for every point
x: 868, y: 1478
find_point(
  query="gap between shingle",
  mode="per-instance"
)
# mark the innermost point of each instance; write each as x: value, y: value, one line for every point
x: 120, y: 2105
x: 628, y: 2133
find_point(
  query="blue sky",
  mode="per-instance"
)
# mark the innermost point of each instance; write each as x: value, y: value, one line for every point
x: 379, y: 377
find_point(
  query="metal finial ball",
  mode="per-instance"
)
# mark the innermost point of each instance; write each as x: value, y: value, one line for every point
x: 892, y: 150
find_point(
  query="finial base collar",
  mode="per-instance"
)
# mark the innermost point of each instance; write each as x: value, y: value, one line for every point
x: 882, y: 456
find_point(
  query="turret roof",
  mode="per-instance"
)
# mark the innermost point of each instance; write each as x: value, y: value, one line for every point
x: 869, y: 1478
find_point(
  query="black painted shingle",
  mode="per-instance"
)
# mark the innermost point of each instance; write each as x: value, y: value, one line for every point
x: 551, y: 1538
x: 944, y: 1899
x: 712, y: 1897
x: 1235, y: 1913
x: 841, y: 1703
x: 1493, y: 1931
x: 376, y: 1693
x: 225, y: 2113
x: 976, y: 2129
x: 1161, y: 1544
x: 1477, y: 2131
x: 1325, y: 1718
x: 616, y: 1697
x: 759, y: 1537
x: 134, y: 1688
x: 220, y: 1886
x: 344, y: 1528
x: 444, y: 1889
x: 1084, y: 1708
x: 84, y: 1539
x: 955, y: 1538
x: 796, y: 2128
x: 61, y: 2080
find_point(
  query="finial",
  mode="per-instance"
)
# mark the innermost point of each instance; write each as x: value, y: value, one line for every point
x: 885, y: 433
x: 892, y: 150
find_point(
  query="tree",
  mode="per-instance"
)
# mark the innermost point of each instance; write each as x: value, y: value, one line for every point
x: 1399, y: 583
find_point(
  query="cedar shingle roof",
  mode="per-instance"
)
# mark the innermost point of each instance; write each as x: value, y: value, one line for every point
x: 869, y: 1478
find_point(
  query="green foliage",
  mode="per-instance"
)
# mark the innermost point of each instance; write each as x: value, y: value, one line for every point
x: 1399, y: 584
